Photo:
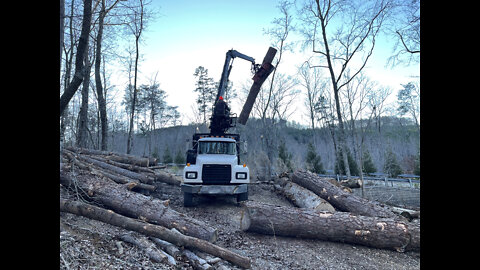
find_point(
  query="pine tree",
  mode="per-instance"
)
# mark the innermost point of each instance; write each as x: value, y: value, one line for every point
x: 391, y: 167
x: 284, y: 156
x: 314, y: 161
x: 340, y: 168
x: 179, y: 158
x: 416, y: 169
x: 368, y: 166
x: 167, y: 157
x: 206, y: 91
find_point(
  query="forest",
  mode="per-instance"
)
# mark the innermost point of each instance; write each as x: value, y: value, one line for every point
x: 378, y: 127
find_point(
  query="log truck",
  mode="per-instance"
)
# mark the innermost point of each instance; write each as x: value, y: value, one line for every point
x: 213, y: 163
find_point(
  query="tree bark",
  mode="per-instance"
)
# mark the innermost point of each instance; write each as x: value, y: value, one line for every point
x: 179, y: 239
x: 386, y: 233
x: 119, y: 157
x: 146, y: 246
x: 102, y: 106
x: 81, y: 50
x: 140, y: 177
x: 304, y: 198
x: 258, y: 80
x: 120, y: 199
x: 340, y: 199
x: 131, y: 184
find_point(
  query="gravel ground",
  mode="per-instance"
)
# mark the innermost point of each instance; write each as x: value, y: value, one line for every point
x: 89, y: 244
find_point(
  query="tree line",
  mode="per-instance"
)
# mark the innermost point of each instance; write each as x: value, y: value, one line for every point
x: 339, y: 98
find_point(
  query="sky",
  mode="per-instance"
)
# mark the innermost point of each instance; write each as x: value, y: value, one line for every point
x: 191, y: 33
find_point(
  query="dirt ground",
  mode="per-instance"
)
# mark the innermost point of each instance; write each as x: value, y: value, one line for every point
x: 89, y: 244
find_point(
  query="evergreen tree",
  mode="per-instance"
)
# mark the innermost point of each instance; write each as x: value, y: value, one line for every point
x: 340, y: 168
x: 416, y: 169
x: 368, y: 166
x: 314, y: 162
x: 284, y: 156
x: 167, y: 157
x: 179, y: 158
x: 206, y: 91
x: 391, y: 167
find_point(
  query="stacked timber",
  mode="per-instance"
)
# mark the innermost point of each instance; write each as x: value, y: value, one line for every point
x: 112, y: 186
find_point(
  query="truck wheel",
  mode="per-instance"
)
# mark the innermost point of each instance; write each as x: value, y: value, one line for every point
x: 242, y: 197
x: 187, y: 199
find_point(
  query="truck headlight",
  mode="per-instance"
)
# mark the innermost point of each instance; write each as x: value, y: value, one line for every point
x: 241, y: 175
x: 191, y: 175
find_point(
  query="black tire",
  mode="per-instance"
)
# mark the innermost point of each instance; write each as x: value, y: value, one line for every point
x: 242, y: 197
x: 187, y: 199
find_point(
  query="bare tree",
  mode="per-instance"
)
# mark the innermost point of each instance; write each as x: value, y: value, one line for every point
x: 102, y: 105
x: 353, y: 37
x: 81, y: 50
x: 136, y: 27
x: 312, y: 81
x: 405, y: 28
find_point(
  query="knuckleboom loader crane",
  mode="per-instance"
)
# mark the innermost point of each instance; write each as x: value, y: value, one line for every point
x: 213, y: 163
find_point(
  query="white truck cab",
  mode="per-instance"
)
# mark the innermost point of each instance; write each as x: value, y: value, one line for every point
x: 214, y: 168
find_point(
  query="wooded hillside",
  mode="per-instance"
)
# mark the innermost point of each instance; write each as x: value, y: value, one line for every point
x: 396, y: 134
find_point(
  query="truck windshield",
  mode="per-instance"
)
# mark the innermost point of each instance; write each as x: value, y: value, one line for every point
x: 227, y: 148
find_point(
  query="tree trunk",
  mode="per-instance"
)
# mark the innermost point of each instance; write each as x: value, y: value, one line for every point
x: 375, y: 232
x: 305, y: 198
x: 140, y: 177
x: 83, y: 113
x: 258, y: 80
x: 146, y: 246
x: 119, y: 157
x: 179, y: 239
x: 340, y: 199
x: 102, y: 107
x: 120, y: 199
x: 81, y: 50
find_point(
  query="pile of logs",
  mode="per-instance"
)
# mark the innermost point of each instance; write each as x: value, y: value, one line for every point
x: 327, y: 212
x: 113, y: 184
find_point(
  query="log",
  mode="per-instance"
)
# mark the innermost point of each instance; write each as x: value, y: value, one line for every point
x: 119, y: 157
x: 196, y: 261
x: 386, y: 233
x: 340, y: 199
x: 140, y: 177
x: 120, y: 199
x: 174, y: 237
x: 167, y: 178
x: 127, y: 166
x: 258, y: 80
x: 304, y: 198
x: 146, y: 246
x: 133, y: 185
x: 167, y: 247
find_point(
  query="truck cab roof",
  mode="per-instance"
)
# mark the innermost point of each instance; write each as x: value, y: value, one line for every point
x: 216, y: 139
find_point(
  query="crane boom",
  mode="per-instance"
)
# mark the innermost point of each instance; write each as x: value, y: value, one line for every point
x: 227, y: 67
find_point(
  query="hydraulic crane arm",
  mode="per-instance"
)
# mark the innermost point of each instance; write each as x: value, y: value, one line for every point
x: 227, y: 67
x: 221, y: 119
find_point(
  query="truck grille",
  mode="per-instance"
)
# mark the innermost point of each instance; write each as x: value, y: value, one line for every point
x: 216, y: 174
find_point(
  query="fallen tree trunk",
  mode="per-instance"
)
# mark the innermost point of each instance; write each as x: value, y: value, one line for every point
x: 387, y: 233
x: 121, y: 200
x: 131, y: 183
x: 140, y: 177
x: 110, y: 217
x: 167, y: 178
x: 146, y: 246
x: 340, y: 199
x: 304, y: 198
x: 115, y: 156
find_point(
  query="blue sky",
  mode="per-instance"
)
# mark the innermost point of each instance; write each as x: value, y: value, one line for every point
x: 189, y: 33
